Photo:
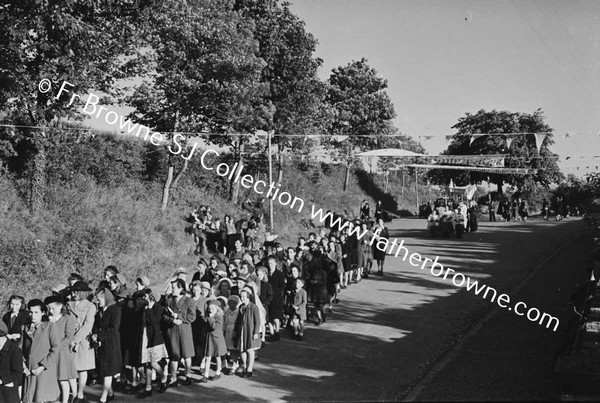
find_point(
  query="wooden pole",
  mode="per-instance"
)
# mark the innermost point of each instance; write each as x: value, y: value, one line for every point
x: 417, y: 188
x: 270, y: 181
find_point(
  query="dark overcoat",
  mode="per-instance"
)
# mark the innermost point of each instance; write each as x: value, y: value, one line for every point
x: 11, y: 372
x: 106, y: 328
x: 247, y: 325
x: 180, y: 342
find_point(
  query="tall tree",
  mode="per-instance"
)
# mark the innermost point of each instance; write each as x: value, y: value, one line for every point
x: 522, y: 151
x: 290, y: 71
x: 362, y: 109
x: 77, y: 41
x: 205, y: 77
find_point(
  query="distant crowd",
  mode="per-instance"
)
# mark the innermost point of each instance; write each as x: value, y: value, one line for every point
x: 146, y: 337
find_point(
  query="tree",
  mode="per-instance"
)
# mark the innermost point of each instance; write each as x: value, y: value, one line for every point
x: 523, y: 152
x: 290, y: 72
x: 205, y: 77
x: 362, y: 110
x: 78, y: 41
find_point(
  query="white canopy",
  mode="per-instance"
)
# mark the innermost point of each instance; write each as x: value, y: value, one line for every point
x: 390, y: 152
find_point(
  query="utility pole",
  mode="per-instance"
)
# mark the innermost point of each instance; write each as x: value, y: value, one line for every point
x: 417, y: 188
x: 270, y: 182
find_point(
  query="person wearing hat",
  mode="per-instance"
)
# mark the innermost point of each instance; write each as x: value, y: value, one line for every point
x: 141, y: 283
x: 40, y: 353
x: 224, y: 286
x: 62, y: 291
x: 215, y: 340
x: 11, y: 368
x: 85, y: 312
x: 73, y: 278
x: 65, y: 324
x: 16, y: 319
x: 247, y: 332
x: 178, y: 316
x: 238, y: 283
x: 107, y: 340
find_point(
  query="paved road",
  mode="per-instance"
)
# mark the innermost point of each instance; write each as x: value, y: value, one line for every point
x: 389, y: 332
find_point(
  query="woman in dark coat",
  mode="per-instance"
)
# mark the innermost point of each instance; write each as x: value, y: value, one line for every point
x: 11, y: 368
x: 333, y: 279
x: 15, y: 320
x: 247, y: 329
x: 346, y: 260
x: 353, y: 244
x: 153, y: 349
x: 379, y: 253
x: 318, y: 285
x: 277, y: 281
x: 107, y: 339
x: 266, y: 291
x: 132, y: 328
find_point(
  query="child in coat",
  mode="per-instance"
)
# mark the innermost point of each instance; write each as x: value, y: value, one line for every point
x: 215, y: 339
x: 299, y: 306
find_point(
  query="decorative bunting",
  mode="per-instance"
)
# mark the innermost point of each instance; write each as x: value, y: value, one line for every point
x: 508, y: 142
x: 539, y: 139
x: 473, y: 160
x: 509, y: 171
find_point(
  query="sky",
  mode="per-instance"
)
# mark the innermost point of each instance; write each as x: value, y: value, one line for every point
x: 447, y: 57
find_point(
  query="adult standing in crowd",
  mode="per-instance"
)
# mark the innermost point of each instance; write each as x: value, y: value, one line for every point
x: 40, y: 342
x: 180, y: 312
x: 379, y: 213
x: 381, y: 232
x: 15, y: 320
x: 365, y: 211
x: 492, y: 209
x: 106, y: 338
x: 277, y: 281
x: 84, y: 311
x: 11, y: 367
x: 152, y: 343
x: 65, y: 324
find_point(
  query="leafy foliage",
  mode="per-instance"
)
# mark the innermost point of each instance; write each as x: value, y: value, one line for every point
x: 523, y: 152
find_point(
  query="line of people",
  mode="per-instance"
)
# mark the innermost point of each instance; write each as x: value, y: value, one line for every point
x: 214, y: 318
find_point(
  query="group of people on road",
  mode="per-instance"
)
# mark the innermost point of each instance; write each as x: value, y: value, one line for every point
x: 507, y: 210
x: 215, y: 317
x: 452, y: 218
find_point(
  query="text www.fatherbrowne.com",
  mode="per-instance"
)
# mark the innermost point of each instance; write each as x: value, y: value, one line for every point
x: 438, y: 270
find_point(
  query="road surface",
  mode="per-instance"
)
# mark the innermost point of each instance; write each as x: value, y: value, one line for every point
x: 410, y: 335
